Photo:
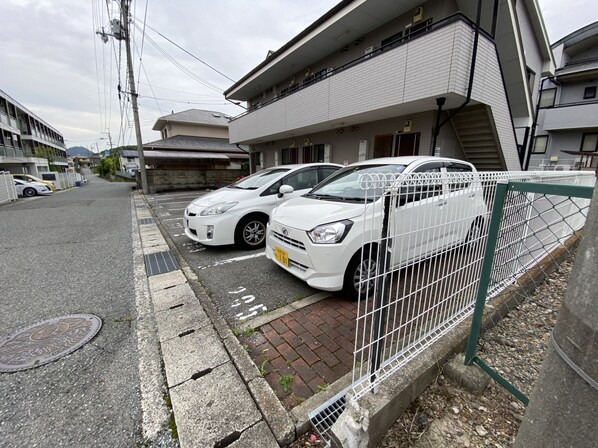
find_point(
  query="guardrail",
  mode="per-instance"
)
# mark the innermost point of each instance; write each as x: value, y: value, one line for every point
x: 8, y: 192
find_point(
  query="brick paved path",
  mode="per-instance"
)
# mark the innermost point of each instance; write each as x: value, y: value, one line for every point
x: 314, y: 345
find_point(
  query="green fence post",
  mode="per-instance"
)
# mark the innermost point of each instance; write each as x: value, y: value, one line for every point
x: 476, y: 324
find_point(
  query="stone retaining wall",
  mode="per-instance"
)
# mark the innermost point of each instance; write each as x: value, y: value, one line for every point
x: 171, y: 180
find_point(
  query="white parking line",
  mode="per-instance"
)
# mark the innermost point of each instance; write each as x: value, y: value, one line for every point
x: 232, y: 260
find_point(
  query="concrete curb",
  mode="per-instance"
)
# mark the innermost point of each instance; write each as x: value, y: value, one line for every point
x: 210, y: 398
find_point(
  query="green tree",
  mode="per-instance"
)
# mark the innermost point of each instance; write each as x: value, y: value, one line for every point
x: 45, y: 152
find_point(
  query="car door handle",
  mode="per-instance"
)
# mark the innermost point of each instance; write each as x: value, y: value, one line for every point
x: 441, y: 203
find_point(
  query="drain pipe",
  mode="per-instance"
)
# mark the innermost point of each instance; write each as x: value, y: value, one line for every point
x: 439, y: 103
x: 530, y: 145
x: 471, y: 74
x: 246, y: 152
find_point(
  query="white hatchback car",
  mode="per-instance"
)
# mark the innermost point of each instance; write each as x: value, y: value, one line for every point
x: 319, y: 237
x: 29, y: 189
x: 238, y: 213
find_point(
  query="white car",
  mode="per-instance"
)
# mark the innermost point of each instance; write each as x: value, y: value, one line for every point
x: 238, y: 213
x: 319, y: 237
x: 29, y: 189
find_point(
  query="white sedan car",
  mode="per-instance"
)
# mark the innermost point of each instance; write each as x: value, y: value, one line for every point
x: 30, y: 189
x: 319, y: 237
x: 238, y: 213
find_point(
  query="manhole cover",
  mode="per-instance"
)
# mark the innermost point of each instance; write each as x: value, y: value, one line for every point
x: 46, y: 341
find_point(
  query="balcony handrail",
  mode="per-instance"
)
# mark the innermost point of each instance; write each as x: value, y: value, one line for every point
x: 575, y: 103
x: 456, y: 17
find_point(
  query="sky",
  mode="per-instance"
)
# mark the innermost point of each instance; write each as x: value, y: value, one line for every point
x: 56, y: 65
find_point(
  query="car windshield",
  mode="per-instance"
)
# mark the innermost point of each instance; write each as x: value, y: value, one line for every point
x: 258, y: 179
x: 345, y: 184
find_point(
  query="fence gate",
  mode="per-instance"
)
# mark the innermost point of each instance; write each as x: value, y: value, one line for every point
x: 533, y: 229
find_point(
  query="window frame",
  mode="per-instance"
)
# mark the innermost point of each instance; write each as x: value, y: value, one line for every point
x: 536, y: 139
x: 553, y: 98
x: 583, y: 139
x: 589, y: 93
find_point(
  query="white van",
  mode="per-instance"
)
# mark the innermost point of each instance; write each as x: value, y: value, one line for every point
x: 319, y: 237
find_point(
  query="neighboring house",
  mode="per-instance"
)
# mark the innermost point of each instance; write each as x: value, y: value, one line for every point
x: 22, y: 137
x: 374, y: 78
x: 567, y: 133
x: 194, y: 152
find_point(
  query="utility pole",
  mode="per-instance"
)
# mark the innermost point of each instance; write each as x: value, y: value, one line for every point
x: 120, y: 31
x: 125, y: 17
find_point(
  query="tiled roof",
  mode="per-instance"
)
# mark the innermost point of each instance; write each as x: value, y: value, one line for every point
x: 196, y: 116
x: 184, y: 142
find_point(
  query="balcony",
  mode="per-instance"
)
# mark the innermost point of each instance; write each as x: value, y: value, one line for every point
x: 571, y: 116
x: 403, y: 78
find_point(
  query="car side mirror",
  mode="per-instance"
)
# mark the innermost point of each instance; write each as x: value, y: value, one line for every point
x: 285, y: 189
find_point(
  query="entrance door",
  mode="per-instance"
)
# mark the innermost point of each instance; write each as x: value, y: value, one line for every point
x: 407, y: 144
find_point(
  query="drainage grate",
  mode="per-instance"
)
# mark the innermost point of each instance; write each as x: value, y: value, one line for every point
x: 47, y: 341
x: 140, y: 206
x: 146, y: 221
x: 160, y: 263
x: 324, y: 416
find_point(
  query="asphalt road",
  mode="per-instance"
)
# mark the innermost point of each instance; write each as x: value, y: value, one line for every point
x: 65, y: 254
x: 242, y: 283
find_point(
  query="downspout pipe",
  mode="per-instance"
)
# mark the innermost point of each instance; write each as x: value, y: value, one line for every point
x: 246, y: 152
x: 528, y: 150
x: 471, y: 75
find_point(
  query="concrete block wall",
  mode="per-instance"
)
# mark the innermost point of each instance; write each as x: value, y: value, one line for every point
x: 170, y: 180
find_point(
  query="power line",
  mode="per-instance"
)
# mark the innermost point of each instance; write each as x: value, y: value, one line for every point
x: 189, y: 53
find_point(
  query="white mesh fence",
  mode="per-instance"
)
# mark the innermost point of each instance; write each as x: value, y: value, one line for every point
x: 423, y: 247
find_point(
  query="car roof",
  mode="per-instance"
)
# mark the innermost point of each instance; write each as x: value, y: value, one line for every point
x: 406, y: 160
x: 303, y: 165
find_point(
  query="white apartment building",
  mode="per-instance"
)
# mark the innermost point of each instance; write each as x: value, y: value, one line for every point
x: 373, y: 78
x: 22, y: 133
x: 567, y: 133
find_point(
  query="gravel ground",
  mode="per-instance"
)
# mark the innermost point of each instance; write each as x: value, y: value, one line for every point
x: 447, y: 416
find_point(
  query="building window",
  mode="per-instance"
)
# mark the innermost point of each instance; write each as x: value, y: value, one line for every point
x: 531, y: 79
x: 313, y: 153
x: 540, y: 144
x: 547, y: 98
x: 256, y: 159
x: 289, y: 156
x: 589, y: 142
x: 589, y: 93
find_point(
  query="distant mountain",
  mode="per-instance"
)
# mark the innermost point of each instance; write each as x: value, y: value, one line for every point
x: 79, y: 151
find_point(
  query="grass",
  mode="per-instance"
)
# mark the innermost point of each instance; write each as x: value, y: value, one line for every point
x: 285, y: 381
x: 262, y: 367
x: 322, y: 387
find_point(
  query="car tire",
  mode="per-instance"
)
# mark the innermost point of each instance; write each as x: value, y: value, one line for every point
x: 251, y: 232
x: 361, y: 261
x: 474, y: 236
x: 29, y: 192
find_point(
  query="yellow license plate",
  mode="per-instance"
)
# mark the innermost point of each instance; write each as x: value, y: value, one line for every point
x: 282, y: 256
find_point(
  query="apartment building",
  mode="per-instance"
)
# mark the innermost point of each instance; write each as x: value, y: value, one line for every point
x: 22, y: 135
x: 567, y: 133
x: 375, y: 78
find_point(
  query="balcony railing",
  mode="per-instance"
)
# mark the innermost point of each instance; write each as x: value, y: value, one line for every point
x: 326, y: 73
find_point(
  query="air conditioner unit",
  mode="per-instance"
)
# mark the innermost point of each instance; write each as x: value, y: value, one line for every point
x: 368, y: 50
x: 418, y: 15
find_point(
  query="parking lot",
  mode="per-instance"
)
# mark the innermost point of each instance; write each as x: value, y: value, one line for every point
x: 242, y: 283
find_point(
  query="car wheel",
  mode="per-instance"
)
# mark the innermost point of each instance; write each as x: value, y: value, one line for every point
x: 361, y: 267
x: 474, y: 236
x: 29, y: 192
x: 251, y: 232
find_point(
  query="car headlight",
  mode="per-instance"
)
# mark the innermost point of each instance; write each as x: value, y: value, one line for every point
x: 331, y: 233
x: 218, y: 209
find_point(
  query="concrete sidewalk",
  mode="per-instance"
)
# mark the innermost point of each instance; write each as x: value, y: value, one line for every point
x: 218, y: 396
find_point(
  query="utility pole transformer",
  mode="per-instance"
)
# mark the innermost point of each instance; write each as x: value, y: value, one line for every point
x: 125, y: 17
